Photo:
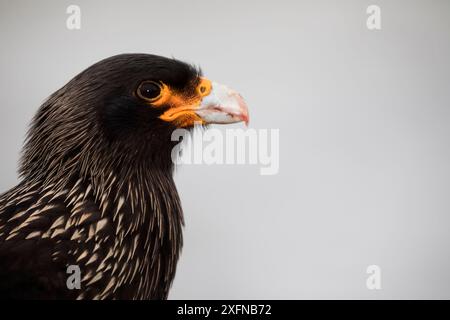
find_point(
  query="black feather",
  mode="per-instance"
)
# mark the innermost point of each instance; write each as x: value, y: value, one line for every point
x: 96, y: 189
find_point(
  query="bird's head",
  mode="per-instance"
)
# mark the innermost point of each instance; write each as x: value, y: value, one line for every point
x: 120, y: 113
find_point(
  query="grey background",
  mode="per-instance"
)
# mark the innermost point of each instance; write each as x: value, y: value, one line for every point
x: 363, y: 118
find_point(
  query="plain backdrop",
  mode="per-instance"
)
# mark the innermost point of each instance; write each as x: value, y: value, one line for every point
x: 364, y: 135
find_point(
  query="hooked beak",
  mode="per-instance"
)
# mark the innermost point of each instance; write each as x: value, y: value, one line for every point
x: 212, y: 103
x: 222, y: 105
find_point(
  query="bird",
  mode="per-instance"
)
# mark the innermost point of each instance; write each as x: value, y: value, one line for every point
x: 96, y: 188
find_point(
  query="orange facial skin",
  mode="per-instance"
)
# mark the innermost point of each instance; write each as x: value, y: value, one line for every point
x: 182, y: 105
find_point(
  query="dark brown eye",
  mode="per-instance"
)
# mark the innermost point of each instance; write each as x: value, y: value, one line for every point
x: 149, y: 90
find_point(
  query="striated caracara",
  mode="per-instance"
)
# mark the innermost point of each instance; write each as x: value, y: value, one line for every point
x: 96, y: 187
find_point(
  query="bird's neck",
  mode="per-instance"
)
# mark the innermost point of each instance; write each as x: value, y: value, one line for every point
x: 147, y: 220
x: 144, y: 223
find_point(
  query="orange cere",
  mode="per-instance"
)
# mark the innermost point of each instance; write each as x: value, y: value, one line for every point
x: 182, y: 106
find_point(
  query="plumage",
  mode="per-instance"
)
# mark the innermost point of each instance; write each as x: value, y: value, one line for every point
x: 96, y: 186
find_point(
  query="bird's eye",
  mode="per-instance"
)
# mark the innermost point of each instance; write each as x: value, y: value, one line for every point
x: 149, y: 90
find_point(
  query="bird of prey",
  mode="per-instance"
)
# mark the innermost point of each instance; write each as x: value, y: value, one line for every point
x: 96, y: 190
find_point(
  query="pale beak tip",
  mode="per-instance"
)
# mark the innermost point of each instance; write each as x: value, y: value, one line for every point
x: 246, y: 119
x: 244, y: 110
x: 223, y: 105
